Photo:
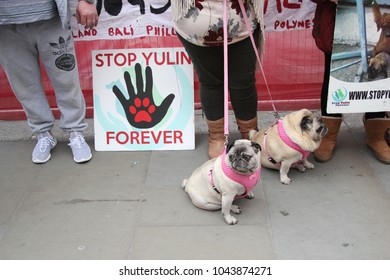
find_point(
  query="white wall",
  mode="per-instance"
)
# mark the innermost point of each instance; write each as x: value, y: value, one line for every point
x: 347, y: 26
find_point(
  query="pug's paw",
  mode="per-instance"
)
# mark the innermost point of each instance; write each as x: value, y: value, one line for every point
x: 235, y: 209
x: 300, y: 167
x: 250, y: 195
x: 230, y: 220
x: 309, y: 165
x: 285, y: 181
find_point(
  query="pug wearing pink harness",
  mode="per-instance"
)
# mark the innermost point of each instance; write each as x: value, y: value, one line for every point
x: 289, y: 142
x: 219, y: 181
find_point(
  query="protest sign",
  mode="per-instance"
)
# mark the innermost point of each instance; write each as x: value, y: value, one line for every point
x: 143, y: 99
x: 360, y: 75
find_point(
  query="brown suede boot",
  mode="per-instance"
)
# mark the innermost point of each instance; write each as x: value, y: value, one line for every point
x: 375, y: 138
x: 328, y: 143
x: 245, y: 126
x: 216, y: 137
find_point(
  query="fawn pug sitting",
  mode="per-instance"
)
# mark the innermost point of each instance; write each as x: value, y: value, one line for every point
x: 215, y: 184
x: 289, y: 141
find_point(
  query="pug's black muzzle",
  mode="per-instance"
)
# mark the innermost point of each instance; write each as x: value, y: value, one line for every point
x: 322, y: 129
x: 240, y: 165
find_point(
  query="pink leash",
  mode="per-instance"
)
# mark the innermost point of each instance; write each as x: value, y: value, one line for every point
x: 246, y: 20
x: 225, y: 60
x: 225, y: 72
x: 249, y: 181
x: 226, y: 90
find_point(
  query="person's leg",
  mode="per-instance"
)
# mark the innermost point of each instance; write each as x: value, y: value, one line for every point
x: 242, y: 83
x: 57, y: 52
x: 377, y: 125
x: 19, y: 58
x: 375, y: 115
x: 325, y: 87
x: 332, y: 121
x: 208, y: 64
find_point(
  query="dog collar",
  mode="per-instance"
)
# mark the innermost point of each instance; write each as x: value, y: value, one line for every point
x: 248, y: 181
x: 283, y: 135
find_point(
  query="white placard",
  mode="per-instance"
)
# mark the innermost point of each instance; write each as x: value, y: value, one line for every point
x: 143, y: 99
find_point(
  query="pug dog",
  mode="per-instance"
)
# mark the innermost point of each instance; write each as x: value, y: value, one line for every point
x: 289, y: 141
x: 216, y: 183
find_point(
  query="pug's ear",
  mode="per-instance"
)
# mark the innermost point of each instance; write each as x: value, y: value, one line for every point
x: 306, y: 123
x: 229, y: 146
x: 256, y: 147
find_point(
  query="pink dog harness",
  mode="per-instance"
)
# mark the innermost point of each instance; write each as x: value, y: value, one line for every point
x: 287, y: 140
x: 248, y: 181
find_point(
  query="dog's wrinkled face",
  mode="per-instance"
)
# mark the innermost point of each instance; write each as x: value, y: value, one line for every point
x: 243, y: 156
x: 314, y: 126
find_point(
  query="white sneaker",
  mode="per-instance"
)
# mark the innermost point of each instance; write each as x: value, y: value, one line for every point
x: 41, y: 152
x: 80, y: 149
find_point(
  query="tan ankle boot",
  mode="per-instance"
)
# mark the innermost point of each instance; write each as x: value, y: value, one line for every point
x: 216, y: 137
x: 328, y: 143
x: 375, y: 138
x: 245, y: 126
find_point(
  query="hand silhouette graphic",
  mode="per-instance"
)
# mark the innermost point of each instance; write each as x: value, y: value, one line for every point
x: 141, y: 111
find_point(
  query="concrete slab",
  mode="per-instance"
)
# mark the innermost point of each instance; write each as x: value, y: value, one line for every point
x: 206, y: 243
x: 130, y: 205
x: 16, y: 173
x: 74, y: 211
x: 335, y: 211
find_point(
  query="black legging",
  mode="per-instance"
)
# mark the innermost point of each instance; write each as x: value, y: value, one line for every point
x: 208, y: 63
x: 324, y: 93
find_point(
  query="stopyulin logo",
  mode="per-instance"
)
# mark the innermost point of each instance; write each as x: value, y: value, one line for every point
x: 340, y: 95
x: 140, y: 109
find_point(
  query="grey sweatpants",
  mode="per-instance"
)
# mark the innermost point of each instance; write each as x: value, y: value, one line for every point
x: 22, y: 47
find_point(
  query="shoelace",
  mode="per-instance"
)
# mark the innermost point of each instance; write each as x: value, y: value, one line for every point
x: 77, y: 140
x: 44, y: 142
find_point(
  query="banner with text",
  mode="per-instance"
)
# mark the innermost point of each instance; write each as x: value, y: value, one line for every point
x: 353, y: 89
x: 132, y: 19
x: 143, y: 99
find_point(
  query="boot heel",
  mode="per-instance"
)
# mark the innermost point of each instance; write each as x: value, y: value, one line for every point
x: 325, y: 151
x: 376, y: 130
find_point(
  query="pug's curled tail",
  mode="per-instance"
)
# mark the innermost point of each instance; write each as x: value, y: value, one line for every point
x: 252, y: 133
x: 184, y: 183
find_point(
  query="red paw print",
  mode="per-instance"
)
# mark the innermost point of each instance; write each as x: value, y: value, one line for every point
x: 142, y: 110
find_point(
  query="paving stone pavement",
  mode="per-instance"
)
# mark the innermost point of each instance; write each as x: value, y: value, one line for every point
x: 130, y: 205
